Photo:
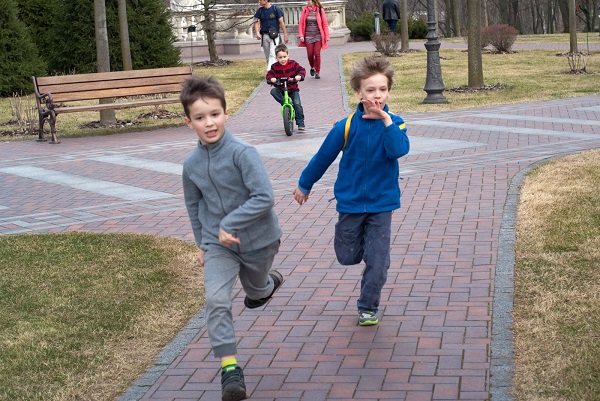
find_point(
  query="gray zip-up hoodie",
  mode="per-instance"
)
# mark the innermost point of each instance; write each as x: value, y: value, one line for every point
x: 226, y: 185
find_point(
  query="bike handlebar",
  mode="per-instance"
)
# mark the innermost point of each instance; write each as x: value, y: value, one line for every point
x: 281, y: 80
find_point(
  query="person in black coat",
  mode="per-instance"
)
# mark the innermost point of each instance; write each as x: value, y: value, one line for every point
x: 391, y: 13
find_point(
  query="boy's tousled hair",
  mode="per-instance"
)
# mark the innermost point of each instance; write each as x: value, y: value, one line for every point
x: 281, y: 48
x: 368, y: 67
x: 200, y: 87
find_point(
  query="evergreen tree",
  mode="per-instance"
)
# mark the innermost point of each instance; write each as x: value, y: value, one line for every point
x: 19, y: 59
x: 37, y: 15
x: 150, y: 34
x: 72, y: 38
x: 72, y: 47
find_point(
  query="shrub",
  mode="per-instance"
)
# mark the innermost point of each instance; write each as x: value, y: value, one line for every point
x: 24, y: 113
x: 501, y: 37
x: 362, y: 27
x: 417, y: 29
x: 485, y: 37
x: 387, y: 43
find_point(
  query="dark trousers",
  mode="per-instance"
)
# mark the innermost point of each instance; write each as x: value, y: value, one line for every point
x: 295, y: 96
x: 392, y: 23
x: 365, y: 236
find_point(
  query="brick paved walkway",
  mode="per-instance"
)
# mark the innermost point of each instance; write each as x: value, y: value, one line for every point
x: 451, y: 269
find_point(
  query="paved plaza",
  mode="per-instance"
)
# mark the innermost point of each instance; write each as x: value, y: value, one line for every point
x: 444, y: 331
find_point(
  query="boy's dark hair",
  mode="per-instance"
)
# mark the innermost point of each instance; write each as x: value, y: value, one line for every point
x: 281, y: 48
x: 368, y: 67
x: 199, y: 87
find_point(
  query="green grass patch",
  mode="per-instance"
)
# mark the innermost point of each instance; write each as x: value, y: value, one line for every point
x: 530, y: 75
x: 72, y: 304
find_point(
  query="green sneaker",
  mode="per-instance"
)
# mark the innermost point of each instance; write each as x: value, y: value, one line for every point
x: 367, y: 318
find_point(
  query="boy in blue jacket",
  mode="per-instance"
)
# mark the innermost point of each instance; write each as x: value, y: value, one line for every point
x: 229, y: 200
x: 366, y: 188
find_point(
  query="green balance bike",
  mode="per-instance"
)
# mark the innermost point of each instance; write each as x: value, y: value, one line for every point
x: 287, y: 108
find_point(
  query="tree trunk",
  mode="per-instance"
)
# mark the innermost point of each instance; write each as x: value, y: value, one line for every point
x: 475, y: 63
x: 456, y: 18
x: 595, y: 16
x: 102, y: 55
x: 404, y: 47
x: 503, y: 8
x: 551, y: 24
x: 563, y: 5
x: 572, y: 28
x: 516, y: 18
x: 447, y: 20
x: 534, y: 20
x: 484, y: 13
x: 124, y: 34
x: 210, y: 29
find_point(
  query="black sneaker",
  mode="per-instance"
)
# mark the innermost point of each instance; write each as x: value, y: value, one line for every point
x: 312, y: 72
x: 317, y: 76
x: 255, y: 303
x: 233, y: 386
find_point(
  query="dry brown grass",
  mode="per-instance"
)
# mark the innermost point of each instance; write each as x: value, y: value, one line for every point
x: 557, y: 282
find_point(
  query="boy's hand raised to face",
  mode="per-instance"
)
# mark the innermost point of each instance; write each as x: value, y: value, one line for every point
x: 374, y: 111
x: 227, y: 239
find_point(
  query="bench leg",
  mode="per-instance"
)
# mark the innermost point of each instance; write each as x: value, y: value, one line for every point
x: 52, y: 122
x: 41, y: 121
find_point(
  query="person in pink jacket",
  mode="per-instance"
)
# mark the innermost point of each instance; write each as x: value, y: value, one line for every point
x: 313, y: 33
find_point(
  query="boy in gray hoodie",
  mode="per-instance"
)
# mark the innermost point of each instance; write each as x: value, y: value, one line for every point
x: 229, y: 199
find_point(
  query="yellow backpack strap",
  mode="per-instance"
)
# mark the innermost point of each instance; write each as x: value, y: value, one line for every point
x: 347, y: 130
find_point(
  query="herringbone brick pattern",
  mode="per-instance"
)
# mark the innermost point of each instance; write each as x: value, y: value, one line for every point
x: 441, y: 321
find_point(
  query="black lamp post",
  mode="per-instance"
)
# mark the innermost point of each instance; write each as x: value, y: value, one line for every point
x: 190, y: 29
x: 434, y: 85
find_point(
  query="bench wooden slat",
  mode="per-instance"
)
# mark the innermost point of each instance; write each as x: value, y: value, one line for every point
x: 57, y: 90
x: 115, y: 92
x: 116, y: 105
x: 112, y: 75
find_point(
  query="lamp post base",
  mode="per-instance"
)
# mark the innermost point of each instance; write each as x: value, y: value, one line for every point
x: 434, y: 85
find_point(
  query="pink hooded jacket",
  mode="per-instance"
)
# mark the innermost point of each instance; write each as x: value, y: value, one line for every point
x: 321, y: 22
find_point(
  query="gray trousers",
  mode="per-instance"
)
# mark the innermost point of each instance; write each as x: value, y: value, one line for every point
x: 268, y: 46
x: 222, y: 267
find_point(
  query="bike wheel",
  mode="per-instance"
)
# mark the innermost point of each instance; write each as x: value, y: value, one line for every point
x: 288, y: 121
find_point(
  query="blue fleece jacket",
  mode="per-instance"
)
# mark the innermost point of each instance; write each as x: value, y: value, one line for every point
x: 368, y: 172
x: 225, y: 185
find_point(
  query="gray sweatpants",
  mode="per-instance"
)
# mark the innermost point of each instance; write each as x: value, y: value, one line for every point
x: 222, y: 267
x: 268, y: 46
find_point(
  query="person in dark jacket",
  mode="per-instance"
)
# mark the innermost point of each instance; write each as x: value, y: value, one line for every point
x: 366, y: 188
x: 287, y: 68
x: 229, y: 200
x: 391, y: 13
x: 269, y: 17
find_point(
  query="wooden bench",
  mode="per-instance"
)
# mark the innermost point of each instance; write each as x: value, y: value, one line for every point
x: 53, y: 92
